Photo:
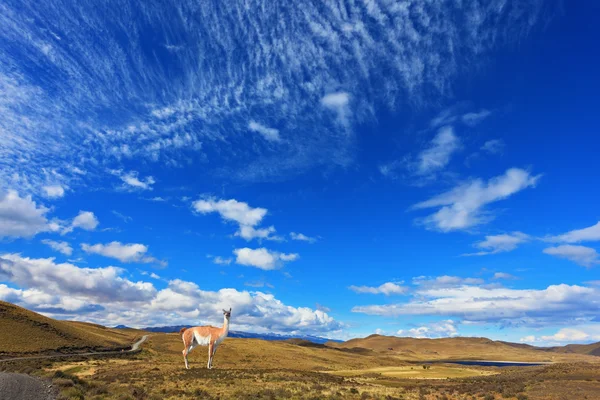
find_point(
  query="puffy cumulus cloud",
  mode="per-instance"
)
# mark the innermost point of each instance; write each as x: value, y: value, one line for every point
x: 131, y: 180
x: 60, y: 246
x: 582, y: 255
x: 85, y: 220
x: 248, y: 233
x: 270, y: 134
x: 96, y: 284
x: 387, y: 288
x: 231, y: 210
x: 245, y: 216
x: 22, y: 217
x: 577, y: 334
x: 557, y: 304
x: 445, y: 281
x: 127, y: 253
x: 263, y: 258
x: 104, y: 296
x: 589, y: 234
x: 53, y: 191
x: 302, y: 237
x: 437, y: 155
x: 463, y: 207
x: 440, y: 329
x: 499, y: 243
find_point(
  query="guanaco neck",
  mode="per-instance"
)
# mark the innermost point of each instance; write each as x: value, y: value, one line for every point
x: 225, y: 328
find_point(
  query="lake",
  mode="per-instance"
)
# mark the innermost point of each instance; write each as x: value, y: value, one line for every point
x: 492, y: 363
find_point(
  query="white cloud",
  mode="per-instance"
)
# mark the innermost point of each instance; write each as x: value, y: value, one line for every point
x: 438, y: 154
x: 236, y: 211
x: 433, y: 330
x: 231, y: 210
x: 388, y: 288
x: 577, y: 334
x: 222, y: 261
x: 338, y: 102
x: 85, y: 220
x: 302, y: 237
x: 504, y: 275
x: 494, y: 146
x: 97, y: 284
x: 132, y: 181
x: 270, y: 134
x: 262, y: 258
x: 53, y: 191
x: 463, y: 206
x: 249, y: 232
x: 445, y: 281
x: 127, y: 253
x: 124, y: 217
x: 589, y: 234
x: 291, y: 67
x: 494, y: 244
x: 474, y: 118
x: 557, y: 304
x: 104, y: 296
x: 22, y: 217
x: 61, y: 247
x: 154, y: 276
x: 581, y: 255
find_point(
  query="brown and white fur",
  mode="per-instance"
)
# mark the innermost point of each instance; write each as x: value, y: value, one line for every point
x: 205, y: 336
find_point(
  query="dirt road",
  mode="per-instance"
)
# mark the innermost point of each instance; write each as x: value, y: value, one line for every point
x: 25, y: 387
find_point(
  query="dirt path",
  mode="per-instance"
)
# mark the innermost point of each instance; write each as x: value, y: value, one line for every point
x: 25, y: 387
x: 134, y: 347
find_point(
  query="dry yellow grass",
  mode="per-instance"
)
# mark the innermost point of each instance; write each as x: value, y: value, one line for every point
x: 25, y: 332
x: 416, y: 372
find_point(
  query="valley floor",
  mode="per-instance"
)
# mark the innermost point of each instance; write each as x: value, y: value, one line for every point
x: 256, y: 369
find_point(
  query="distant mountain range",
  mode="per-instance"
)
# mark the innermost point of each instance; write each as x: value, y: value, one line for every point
x: 244, y: 335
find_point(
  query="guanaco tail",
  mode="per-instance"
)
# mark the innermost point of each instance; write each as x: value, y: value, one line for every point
x: 205, y: 336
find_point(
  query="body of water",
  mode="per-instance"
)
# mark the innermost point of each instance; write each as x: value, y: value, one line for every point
x: 492, y: 363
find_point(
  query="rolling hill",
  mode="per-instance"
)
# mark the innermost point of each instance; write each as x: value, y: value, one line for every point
x: 26, y: 332
x: 467, y: 348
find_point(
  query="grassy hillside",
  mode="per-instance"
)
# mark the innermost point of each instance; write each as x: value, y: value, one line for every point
x: 460, y: 348
x: 25, y: 332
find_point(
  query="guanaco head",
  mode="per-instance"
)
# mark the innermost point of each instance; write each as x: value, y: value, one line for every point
x: 226, y: 313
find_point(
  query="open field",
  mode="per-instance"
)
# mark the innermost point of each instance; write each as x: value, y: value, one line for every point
x: 377, y: 367
x: 25, y: 332
x: 256, y: 369
x: 416, y: 372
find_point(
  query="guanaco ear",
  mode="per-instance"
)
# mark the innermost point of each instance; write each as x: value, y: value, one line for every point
x: 230, y: 310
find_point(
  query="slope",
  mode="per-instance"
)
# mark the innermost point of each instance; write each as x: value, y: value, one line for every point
x: 23, y: 331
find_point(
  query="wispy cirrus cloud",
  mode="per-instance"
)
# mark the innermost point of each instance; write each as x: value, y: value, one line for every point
x: 494, y: 244
x: 388, y: 288
x: 589, y: 234
x: 124, y: 252
x: 270, y: 134
x: 63, y: 102
x: 464, y: 206
x: 582, y: 255
x: 60, y: 246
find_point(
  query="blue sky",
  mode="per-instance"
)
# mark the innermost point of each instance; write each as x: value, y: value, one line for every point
x: 336, y: 168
